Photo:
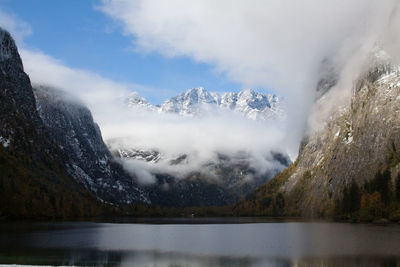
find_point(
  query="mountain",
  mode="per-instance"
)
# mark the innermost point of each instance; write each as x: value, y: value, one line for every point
x: 189, y: 103
x: 198, y: 101
x: 349, y: 168
x: 134, y: 100
x: 54, y: 163
x: 34, y: 181
x: 254, y: 105
x: 90, y: 162
x: 223, y: 179
x: 194, y: 190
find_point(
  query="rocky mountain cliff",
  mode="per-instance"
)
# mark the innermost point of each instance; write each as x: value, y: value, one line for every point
x: 89, y: 160
x: 357, y: 142
x: 34, y: 179
x: 342, y: 166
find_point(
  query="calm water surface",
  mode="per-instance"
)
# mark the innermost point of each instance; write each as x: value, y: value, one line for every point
x: 209, y: 243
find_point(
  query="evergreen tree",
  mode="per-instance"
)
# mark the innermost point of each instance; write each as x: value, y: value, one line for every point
x: 398, y: 188
x: 351, y: 198
x: 384, y: 186
x: 355, y: 197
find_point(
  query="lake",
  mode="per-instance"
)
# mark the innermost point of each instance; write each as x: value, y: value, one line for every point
x: 199, y: 242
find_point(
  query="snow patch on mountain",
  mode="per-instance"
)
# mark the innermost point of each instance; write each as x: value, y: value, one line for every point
x: 89, y: 160
x: 229, y: 140
x: 134, y: 100
x: 5, y: 141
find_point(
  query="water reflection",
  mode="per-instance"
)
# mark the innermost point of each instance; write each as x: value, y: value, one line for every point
x: 159, y: 259
x: 261, y: 244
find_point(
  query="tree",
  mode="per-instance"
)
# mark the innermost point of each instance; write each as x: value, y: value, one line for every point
x: 398, y: 188
x: 382, y: 184
x: 355, y: 197
x: 351, y: 199
x: 279, y: 204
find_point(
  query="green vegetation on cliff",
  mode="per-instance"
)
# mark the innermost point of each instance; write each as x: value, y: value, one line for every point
x: 376, y: 199
x: 267, y: 200
x: 40, y: 189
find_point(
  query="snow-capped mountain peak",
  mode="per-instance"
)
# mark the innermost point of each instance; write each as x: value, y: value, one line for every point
x: 198, y: 101
x: 188, y: 103
x: 134, y: 100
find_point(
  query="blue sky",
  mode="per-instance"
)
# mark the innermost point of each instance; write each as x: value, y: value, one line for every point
x: 82, y: 37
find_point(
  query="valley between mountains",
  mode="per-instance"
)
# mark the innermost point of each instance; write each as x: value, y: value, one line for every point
x: 55, y: 162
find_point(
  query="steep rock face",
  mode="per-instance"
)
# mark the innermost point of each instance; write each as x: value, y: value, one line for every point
x: 358, y: 140
x: 34, y: 181
x: 89, y: 160
x: 356, y: 143
x: 16, y: 94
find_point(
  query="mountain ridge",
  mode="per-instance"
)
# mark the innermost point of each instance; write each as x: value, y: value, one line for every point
x: 198, y: 101
x: 34, y: 180
x: 350, y: 167
x: 89, y: 162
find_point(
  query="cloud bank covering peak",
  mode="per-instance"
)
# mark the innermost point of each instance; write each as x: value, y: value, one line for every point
x: 272, y: 44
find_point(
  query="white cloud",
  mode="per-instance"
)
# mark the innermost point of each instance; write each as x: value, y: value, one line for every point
x: 18, y: 29
x: 258, y: 42
x: 200, y: 138
x: 277, y: 44
x: 94, y: 90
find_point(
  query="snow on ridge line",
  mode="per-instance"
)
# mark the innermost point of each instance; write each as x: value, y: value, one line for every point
x: 194, y: 102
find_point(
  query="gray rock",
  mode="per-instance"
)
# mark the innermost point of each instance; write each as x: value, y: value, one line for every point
x: 356, y: 142
x: 89, y: 160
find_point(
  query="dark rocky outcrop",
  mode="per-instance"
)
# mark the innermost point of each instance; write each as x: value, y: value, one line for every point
x: 89, y: 162
x: 34, y: 181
